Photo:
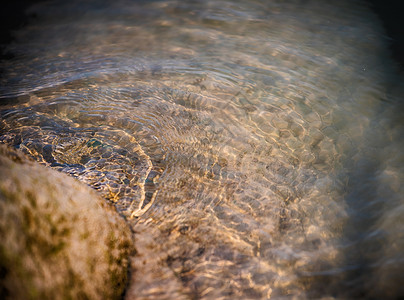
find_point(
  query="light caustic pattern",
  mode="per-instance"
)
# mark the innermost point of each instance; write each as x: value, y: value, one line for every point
x: 226, y: 132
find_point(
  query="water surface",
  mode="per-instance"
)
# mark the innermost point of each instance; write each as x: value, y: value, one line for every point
x: 255, y: 147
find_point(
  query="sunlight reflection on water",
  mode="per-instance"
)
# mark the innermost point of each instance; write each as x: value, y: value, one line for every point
x: 254, y: 146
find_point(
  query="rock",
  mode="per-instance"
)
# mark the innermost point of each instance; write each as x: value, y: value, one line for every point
x: 59, y: 240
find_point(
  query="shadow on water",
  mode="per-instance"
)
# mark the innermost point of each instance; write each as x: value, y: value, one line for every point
x: 390, y: 13
x: 372, y: 242
x: 13, y: 16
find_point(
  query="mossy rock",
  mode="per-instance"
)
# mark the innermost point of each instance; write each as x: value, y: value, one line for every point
x: 59, y: 239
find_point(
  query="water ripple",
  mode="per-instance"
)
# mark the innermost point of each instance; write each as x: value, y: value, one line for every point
x: 234, y: 136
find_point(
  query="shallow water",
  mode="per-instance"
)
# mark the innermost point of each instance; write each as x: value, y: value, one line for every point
x: 255, y: 147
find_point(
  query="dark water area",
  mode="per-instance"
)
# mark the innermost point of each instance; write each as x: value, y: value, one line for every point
x: 389, y: 13
x: 254, y: 147
x: 15, y: 15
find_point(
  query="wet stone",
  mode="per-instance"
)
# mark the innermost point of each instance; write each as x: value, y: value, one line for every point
x: 58, y: 222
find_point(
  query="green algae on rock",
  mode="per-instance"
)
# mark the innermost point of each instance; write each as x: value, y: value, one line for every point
x: 58, y: 239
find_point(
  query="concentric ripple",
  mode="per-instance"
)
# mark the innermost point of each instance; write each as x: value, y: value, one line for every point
x: 226, y: 132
